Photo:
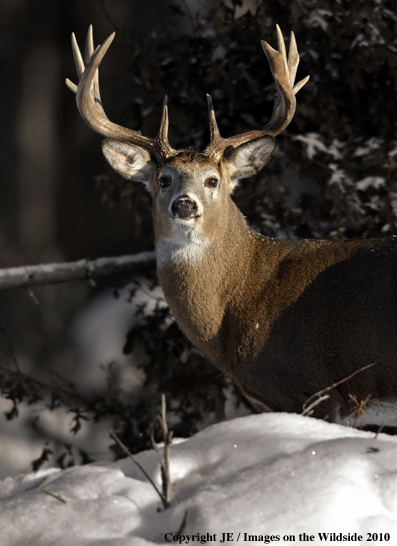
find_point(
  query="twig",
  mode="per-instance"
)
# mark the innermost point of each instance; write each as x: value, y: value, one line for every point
x: 309, y: 409
x: 320, y: 393
x: 165, y: 464
x: 34, y: 298
x: 128, y: 452
x: 49, y: 387
x: 58, y: 497
x: 379, y: 430
x: 359, y: 409
x: 181, y: 528
x: 34, y: 275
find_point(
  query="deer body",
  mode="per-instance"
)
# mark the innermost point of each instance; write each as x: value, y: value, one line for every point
x: 284, y: 318
x: 293, y: 319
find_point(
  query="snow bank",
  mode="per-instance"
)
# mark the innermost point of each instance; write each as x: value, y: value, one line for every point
x: 271, y: 476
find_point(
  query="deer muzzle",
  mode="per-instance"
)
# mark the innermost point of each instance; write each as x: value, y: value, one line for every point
x: 184, y: 207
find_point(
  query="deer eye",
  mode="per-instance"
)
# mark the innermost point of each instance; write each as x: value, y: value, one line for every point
x: 211, y: 182
x: 165, y: 181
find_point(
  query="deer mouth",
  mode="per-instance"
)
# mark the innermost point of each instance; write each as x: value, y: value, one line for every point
x: 187, y: 222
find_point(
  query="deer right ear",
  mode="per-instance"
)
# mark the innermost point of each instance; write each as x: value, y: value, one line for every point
x: 132, y: 162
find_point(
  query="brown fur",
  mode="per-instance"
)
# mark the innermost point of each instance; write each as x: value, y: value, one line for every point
x: 284, y: 318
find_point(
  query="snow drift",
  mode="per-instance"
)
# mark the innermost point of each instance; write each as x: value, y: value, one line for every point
x: 266, y: 478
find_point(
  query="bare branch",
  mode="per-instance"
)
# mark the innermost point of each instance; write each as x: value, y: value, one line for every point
x: 320, y: 393
x: 359, y: 410
x: 128, y: 452
x: 34, y: 275
x: 165, y: 464
x: 309, y: 410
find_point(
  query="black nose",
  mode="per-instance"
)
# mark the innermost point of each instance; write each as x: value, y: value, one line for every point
x: 184, y: 207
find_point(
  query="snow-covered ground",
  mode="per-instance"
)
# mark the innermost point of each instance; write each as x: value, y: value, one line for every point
x: 269, y: 478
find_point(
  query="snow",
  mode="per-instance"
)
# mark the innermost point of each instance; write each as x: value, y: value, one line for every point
x: 100, y: 330
x: 370, y: 145
x: 263, y: 475
x: 370, y: 182
x: 317, y: 18
x: 338, y: 176
x: 314, y: 144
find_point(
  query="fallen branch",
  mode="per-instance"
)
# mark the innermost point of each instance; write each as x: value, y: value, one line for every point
x: 34, y: 275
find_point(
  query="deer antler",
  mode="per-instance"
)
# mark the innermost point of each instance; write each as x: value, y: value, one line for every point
x: 284, y: 72
x: 90, y: 105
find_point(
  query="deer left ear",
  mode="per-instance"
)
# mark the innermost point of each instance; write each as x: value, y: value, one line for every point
x: 248, y: 159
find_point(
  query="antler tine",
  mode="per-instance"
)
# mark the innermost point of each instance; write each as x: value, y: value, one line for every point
x: 215, y: 136
x: 284, y: 71
x: 78, y: 61
x: 293, y: 59
x: 281, y: 44
x: 78, y: 58
x: 298, y: 86
x: 90, y: 106
x: 89, y: 45
x: 90, y: 49
x: 162, y: 135
x: 214, y: 130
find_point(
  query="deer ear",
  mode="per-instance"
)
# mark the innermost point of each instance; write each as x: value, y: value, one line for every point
x: 132, y: 162
x: 248, y: 159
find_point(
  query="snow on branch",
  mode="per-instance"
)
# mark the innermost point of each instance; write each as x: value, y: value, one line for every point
x: 33, y: 275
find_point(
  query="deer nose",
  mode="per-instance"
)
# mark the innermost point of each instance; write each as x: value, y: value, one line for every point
x: 184, y: 207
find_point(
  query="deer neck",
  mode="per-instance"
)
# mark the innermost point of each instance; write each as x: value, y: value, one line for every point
x: 203, y: 285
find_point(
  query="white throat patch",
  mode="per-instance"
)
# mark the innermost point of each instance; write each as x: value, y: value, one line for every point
x: 187, y: 243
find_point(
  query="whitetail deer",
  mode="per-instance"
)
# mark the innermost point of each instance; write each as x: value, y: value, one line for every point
x: 284, y: 318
